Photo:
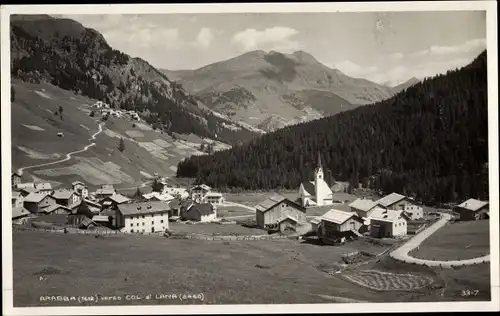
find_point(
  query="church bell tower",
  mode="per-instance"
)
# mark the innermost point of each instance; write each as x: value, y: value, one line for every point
x: 318, y: 179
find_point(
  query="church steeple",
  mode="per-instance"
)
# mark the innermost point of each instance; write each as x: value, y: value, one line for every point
x: 320, y: 165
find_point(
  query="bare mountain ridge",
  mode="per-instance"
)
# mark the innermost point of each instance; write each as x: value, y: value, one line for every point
x: 405, y: 85
x: 257, y: 87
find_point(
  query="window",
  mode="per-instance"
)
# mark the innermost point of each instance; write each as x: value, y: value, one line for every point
x: 152, y: 222
x: 142, y: 216
x: 161, y: 221
x: 131, y: 230
x: 142, y: 223
x: 131, y: 224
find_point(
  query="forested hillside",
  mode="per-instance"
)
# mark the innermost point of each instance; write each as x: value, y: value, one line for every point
x: 70, y: 56
x: 429, y: 142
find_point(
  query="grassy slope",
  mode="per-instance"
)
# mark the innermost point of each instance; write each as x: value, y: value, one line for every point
x: 224, y: 271
x: 30, y: 108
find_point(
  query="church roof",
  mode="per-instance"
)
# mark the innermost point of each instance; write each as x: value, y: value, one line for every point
x: 310, y: 187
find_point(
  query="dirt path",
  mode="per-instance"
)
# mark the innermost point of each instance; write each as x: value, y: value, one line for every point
x: 68, y: 155
x: 401, y: 253
x: 240, y: 205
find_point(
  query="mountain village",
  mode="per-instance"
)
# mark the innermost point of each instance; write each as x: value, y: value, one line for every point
x: 266, y: 178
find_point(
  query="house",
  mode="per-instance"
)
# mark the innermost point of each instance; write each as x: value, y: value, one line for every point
x: 25, y: 185
x: 202, y: 212
x: 315, y: 223
x: 103, y: 220
x: 156, y: 196
x: 340, y: 186
x: 87, y: 223
x: 15, y: 179
x: 104, y: 192
x: 317, y: 192
x: 66, y: 197
x: 388, y: 223
x: 17, y: 199
x: 213, y: 198
x: 198, y: 192
x: 472, y: 209
x: 363, y: 207
x: 394, y: 201
x: 414, y: 212
x: 336, y: 224
x: 287, y: 223
x: 56, y: 209
x: 176, y: 207
x: 26, y: 191
x: 113, y: 201
x: 43, y: 186
x: 276, y: 208
x: 20, y: 215
x: 144, y: 217
x: 36, y: 202
x: 80, y: 188
x: 178, y: 193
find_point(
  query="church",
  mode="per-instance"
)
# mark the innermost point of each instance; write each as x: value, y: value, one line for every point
x: 317, y: 192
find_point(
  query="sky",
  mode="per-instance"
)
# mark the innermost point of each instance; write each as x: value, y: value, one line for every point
x: 386, y: 47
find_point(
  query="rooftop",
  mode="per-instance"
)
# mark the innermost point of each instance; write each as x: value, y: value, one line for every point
x: 473, y: 205
x: 118, y: 198
x: 390, y: 199
x: 19, y: 212
x: 159, y: 196
x: 202, y: 209
x: 363, y: 204
x: 337, y: 216
x: 201, y: 186
x: 384, y: 215
x: 52, y: 208
x: 142, y: 208
x: 35, y: 197
x: 105, y: 191
x: 43, y: 186
x: 62, y: 194
x: 270, y: 202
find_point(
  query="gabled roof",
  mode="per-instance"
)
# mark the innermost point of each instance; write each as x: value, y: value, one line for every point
x: 310, y: 187
x: 16, y: 195
x: 363, y: 204
x: 384, y: 215
x: 338, y: 216
x: 473, y: 205
x: 316, y: 220
x: 52, y: 208
x: 62, y: 194
x: 28, y: 190
x: 286, y: 218
x: 105, y: 191
x: 19, y: 212
x: 107, y: 186
x: 25, y: 185
x: 35, y: 197
x: 270, y: 202
x: 202, y: 209
x: 143, y: 208
x: 77, y: 182
x: 201, y: 186
x: 89, y: 202
x: 390, y: 199
x: 43, y: 186
x: 274, y: 200
x: 15, y: 174
x: 118, y: 198
x: 159, y: 196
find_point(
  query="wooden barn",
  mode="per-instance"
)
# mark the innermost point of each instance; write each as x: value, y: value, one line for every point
x: 336, y: 224
x: 472, y: 209
x: 273, y: 210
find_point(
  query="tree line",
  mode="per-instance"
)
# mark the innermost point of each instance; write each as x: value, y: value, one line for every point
x: 429, y: 142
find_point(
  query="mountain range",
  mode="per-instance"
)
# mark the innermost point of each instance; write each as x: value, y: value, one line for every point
x: 429, y: 141
x: 270, y: 90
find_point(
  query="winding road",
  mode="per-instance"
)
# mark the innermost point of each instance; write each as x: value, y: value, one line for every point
x: 401, y: 253
x: 68, y: 155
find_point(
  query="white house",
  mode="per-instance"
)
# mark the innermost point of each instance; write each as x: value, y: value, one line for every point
x: 17, y: 199
x: 43, y: 186
x: 204, y: 212
x: 414, y: 212
x: 394, y: 201
x: 81, y: 188
x: 180, y: 193
x: 198, y: 192
x: 317, y: 192
x: 213, y: 198
x: 156, y: 196
x: 388, y: 223
x: 145, y: 217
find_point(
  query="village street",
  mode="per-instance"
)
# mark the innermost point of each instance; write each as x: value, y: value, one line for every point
x: 402, y: 252
x: 68, y: 155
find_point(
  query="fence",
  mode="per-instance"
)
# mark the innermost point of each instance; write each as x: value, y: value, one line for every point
x: 194, y: 237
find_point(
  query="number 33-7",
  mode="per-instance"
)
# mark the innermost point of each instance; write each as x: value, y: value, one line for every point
x: 469, y: 292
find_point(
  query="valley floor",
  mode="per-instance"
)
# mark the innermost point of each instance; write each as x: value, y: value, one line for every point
x: 234, y: 272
